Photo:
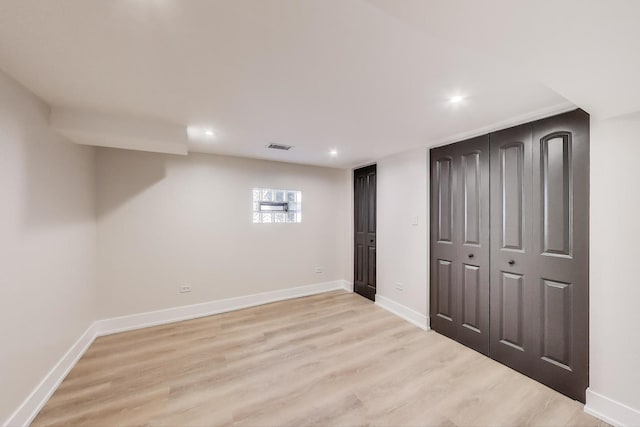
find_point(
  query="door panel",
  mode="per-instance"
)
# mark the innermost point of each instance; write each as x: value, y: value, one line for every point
x: 511, y: 193
x: 460, y: 244
x: 556, y: 338
x: 544, y: 325
x: 364, y: 207
x: 512, y: 310
x: 443, y: 272
x: 359, y: 263
x: 371, y: 202
x: 472, y: 222
x: 445, y: 292
x: 561, y: 251
x: 471, y: 197
x: 513, y: 294
x: 556, y: 193
x: 471, y: 303
x: 444, y: 185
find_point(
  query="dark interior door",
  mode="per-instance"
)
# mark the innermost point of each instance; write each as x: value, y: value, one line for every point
x: 561, y: 249
x: 513, y: 288
x: 364, y: 281
x: 472, y: 219
x: 539, y: 265
x: 444, y: 253
x: 460, y: 242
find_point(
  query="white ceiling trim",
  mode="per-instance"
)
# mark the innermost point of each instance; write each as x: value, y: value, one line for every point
x: 504, y: 124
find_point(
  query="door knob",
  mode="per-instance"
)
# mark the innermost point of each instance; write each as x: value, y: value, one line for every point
x: 470, y: 255
x: 511, y: 262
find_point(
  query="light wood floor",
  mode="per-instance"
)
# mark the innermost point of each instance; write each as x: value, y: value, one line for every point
x: 333, y: 359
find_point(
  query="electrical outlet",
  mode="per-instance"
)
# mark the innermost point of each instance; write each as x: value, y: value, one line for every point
x: 184, y: 289
x: 318, y: 270
x: 399, y: 286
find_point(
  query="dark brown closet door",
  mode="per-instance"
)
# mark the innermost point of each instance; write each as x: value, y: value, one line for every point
x: 513, y: 289
x: 539, y: 266
x: 460, y: 242
x: 364, y: 281
x: 445, y: 239
x: 472, y: 219
x: 561, y: 249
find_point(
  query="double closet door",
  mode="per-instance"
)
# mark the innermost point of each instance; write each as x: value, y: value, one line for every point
x: 509, y: 247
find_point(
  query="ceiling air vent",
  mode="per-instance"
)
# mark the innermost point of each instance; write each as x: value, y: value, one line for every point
x: 279, y: 147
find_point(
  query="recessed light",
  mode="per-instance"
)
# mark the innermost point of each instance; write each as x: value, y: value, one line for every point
x: 205, y: 133
x: 456, y: 99
x: 333, y: 152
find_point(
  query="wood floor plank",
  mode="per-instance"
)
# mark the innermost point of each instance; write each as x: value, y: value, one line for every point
x: 332, y: 359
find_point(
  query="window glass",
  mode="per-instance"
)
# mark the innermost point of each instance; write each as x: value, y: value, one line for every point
x: 276, y: 206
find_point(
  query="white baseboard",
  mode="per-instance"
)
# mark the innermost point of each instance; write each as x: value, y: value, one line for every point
x: 408, y: 314
x: 176, y: 314
x: 28, y: 410
x: 611, y: 411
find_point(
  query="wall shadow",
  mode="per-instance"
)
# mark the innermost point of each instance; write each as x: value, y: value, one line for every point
x: 123, y: 174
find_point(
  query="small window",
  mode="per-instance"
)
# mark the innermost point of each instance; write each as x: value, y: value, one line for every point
x: 276, y: 206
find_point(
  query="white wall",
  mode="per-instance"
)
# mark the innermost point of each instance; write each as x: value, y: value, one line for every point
x: 47, y: 244
x: 402, y: 248
x: 349, y: 235
x: 614, y: 280
x: 164, y: 221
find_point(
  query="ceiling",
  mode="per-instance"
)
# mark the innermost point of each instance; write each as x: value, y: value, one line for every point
x: 586, y: 50
x: 368, y: 78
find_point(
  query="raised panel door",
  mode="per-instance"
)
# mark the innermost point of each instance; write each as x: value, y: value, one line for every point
x: 513, y: 293
x: 364, y: 280
x: 561, y: 250
x: 460, y: 242
x: 471, y: 223
x: 444, y: 275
